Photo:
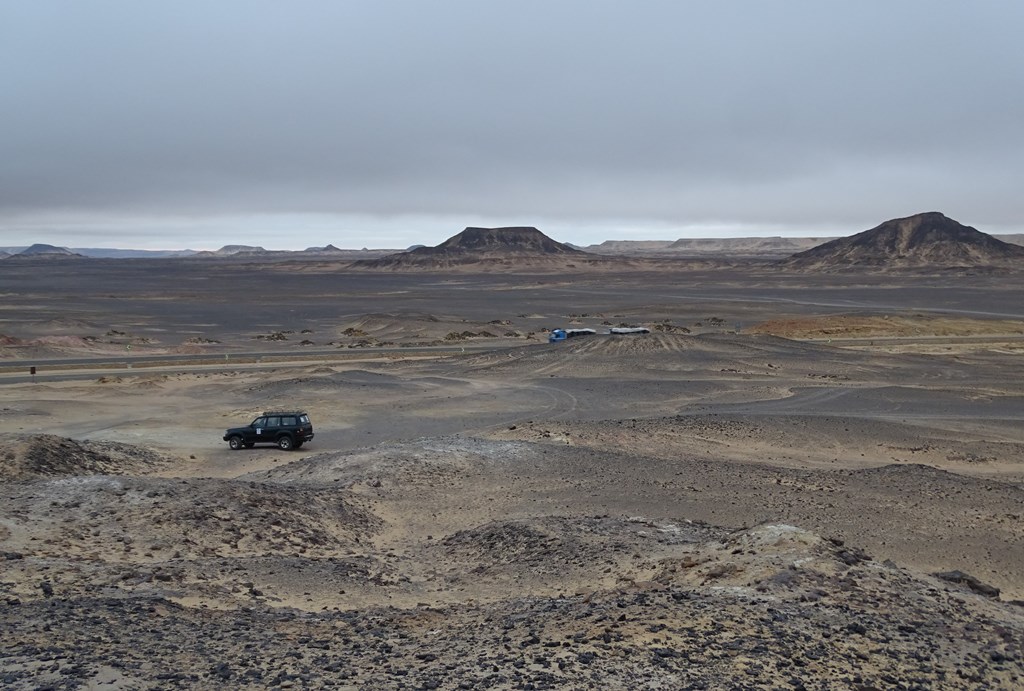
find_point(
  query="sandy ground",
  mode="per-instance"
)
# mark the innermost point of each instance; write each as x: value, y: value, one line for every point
x: 693, y: 508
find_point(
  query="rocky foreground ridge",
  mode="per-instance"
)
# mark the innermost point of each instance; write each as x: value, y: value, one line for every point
x: 305, y: 576
x: 768, y: 607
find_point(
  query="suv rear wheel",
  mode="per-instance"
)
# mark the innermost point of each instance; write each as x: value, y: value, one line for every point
x: 285, y: 443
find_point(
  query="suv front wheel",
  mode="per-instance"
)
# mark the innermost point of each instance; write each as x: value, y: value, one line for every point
x: 235, y: 443
x: 285, y: 443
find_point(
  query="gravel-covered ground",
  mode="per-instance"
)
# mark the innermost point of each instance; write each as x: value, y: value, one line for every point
x: 680, y: 510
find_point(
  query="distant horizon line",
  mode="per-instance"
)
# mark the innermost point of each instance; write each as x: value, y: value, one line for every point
x: 13, y: 249
x: 283, y: 232
x: 112, y: 248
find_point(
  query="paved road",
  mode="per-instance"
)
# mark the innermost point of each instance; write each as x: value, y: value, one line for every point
x: 81, y: 368
x: 66, y: 369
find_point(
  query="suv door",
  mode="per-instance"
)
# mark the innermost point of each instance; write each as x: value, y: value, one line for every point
x: 272, y: 429
x: 256, y: 430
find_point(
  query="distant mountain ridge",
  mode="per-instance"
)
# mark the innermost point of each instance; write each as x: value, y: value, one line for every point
x: 232, y: 250
x: 1016, y: 239
x: 110, y: 253
x: 926, y: 240
x: 750, y: 245
x: 100, y: 252
x: 48, y: 251
x: 482, y: 241
x: 326, y: 249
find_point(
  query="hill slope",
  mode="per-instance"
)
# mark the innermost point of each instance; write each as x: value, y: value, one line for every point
x: 927, y: 240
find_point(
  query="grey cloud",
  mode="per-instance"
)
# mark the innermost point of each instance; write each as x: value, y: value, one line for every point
x: 796, y: 112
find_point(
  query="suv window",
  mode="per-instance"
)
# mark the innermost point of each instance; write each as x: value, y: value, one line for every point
x: 273, y: 422
x: 288, y: 421
x: 303, y: 419
x: 259, y: 422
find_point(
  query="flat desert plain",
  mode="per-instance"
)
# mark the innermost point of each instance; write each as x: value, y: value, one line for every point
x: 794, y: 481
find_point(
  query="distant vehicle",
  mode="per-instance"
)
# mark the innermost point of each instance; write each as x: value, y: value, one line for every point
x: 629, y: 330
x: 288, y: 430
x: 562, y: 334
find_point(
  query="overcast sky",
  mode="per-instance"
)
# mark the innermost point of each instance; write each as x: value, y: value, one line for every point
x: 390, y: 123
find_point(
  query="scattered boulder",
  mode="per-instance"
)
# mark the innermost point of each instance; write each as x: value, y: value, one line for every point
x: 972, y: 583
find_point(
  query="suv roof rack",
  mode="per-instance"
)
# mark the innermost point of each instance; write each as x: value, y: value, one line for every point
x: 284, y: 412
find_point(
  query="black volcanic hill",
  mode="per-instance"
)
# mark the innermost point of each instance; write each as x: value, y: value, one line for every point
x: 923, y: 241
x: 41, y: 250
x: 515, y: 246
x: 500, y: 240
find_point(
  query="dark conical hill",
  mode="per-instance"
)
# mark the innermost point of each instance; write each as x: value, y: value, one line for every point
x: 927, y: 240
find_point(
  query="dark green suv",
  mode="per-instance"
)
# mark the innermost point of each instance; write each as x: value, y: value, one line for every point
x: 288, y: 430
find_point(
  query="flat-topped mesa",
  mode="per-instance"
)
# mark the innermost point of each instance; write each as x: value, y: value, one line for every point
x: 238, y: 249
x: 497, y: 240
x: 486, y: 248
x: 926, y: 240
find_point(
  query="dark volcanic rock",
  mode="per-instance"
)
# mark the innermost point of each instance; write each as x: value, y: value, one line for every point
x: 927, y: 240
x: 969, y: 581
x: 705, y: 641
